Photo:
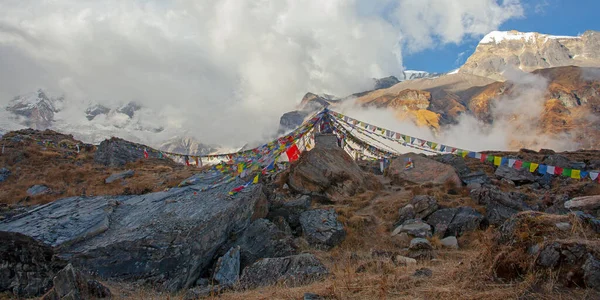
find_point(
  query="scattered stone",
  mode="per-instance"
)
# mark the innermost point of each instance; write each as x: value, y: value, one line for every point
x: 227, y: 270
x: 425, y: 170
x: 404, y: 261
x: 522, y: 176
x: 290, y: 271
x: 586, y: 203
x: 423, y: 272
x: 70, y: 284
x: 321, y: 228
x: 424, y: 205
x: 477, y: 177
x: 263, y: 239
x: 4, y: 173
x: 564, y: 226
x: 414, y: 227
x: 282, y: 225
x: 311, y: 296
x: 406, y: 213
x: 290, y: 210
x: 27, y: 266
x: 450, y: 242
x: 117, y: 176
x: 455, y: 221
x: 38, y: 190
x: 591, y: 272
x: 420, y: 248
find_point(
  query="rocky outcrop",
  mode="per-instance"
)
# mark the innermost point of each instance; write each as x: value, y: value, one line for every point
x: 4, y: 173
x: 118, y: 176
x: 290, y: 210
x: 455, y: 221
x: 331, y: 172
x: 291, y: 120
x: 37, y: 108
x: 167, y: 239
x: 289, y: 271
x: 586, y: 203
x: 521, y: 176
x: 96, y: 110
x: 322, y: 229
x: 425, y: 171
x: 499, y: 205
x: 386, y: 82
x: 263, y: 239
x: 71, y: 284
x: 415, y: 228
x: 227, y: 270
x: 27, y: 266
x: 117, y: 152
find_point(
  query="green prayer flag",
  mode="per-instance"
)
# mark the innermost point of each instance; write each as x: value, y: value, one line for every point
x: 490, y: 158
x: 526, y: 165
x: 567, y: 172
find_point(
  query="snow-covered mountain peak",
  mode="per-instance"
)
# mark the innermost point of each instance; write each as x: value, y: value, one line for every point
x: 500, y: 36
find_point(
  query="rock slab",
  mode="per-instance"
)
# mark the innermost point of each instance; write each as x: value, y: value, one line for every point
x: 322, y: 229
x: 290, y: 271
x: 117, y: 176
x: 227, y: 271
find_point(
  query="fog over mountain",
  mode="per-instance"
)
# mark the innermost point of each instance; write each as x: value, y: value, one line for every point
x: 224, y: 70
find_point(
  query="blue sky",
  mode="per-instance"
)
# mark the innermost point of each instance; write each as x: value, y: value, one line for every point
x: 557, y: 17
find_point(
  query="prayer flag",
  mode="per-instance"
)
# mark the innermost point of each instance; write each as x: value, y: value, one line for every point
x: 255, y: 181
x: 483, y: 157
x: 511, y: 162
x: 497, y: 160
x: 550, y: 170
x: 293, y: 153
x: 567, y: 172
x: 145, y: 153
x: 518, y: 164
x: 533, y: 167
x: 558, y: 170
x: 594, y: 175
x: 542, y: 169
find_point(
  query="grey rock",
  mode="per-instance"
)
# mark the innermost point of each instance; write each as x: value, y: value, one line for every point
x: 455, y: 221
x: 423, y: 272
x: 496, y: 214
x: 585, y: 203
x: 549, y: 256
x: 404, y: 261
x: 71, y: 284
x: 290, y: 210
x: 167, y: 239
x: 545, y: 180
x: 38, y: 190
x: 406, y: 213
x: 386, y: 82
x: 311, y: 296
x: 290, y: 271
x: 591, y: 272
x: 117, y: 152
x: 292, y: 120
x: 564, y: 226
x: 263, y: 239
x: 477, y: 177
x: 424, y: 205
x: 557, y: 160
x: 517, y: 176
x: 450, y: 242
x: 499, y: 205
x: 588, y: 219
x: 420, y: 249
x: 457, y: 162
x: 322, y: 229
x: 227, y: 270
x: 95, y: 110
x: 27, y: 266
x: 117, y: 176
x: 202, y: 292
x: 282, y: 225
x: 414, y: 227
x: 4, y: 173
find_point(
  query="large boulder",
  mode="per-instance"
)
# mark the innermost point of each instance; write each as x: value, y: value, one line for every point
x: 322, y: 229
x: 27, y: 266
x: 117, y: 152
x: 71, y: 284
x: 455, y: 221
x: 499, y: 205
x: 521, y: 176
x: 586, y: 203
x: 329, y: 171
x: 118, y: 176
x: 167, y: 239
x: 263, y: 239
x: 289, y: 271
x: 38, y: 190
x: 425, y: 170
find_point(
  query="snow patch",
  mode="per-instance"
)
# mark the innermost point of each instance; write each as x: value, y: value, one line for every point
x: 500, y: 36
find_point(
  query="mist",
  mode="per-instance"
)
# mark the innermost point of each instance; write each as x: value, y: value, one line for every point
x: 221, y: 71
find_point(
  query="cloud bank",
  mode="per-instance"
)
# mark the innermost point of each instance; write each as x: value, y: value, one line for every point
x: 222, y: 70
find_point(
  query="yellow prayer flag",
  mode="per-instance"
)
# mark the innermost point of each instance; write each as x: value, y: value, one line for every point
x: 255, y: 181
x: 240, y: 168
x: 576, y: 174
x: 532, y: 167
x: 497, y: 160
x: 463, y: 153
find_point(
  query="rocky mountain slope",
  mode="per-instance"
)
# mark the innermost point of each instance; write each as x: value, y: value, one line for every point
x: 529, y: 51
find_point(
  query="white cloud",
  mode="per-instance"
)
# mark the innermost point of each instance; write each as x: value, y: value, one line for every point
x: 424, y: 22
x: 226, y: 70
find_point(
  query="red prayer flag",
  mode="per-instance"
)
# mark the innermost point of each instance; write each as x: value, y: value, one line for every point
x: 518, y: 164
x: 293, y: 153
x: 483, y: 157
x: 145, y: 153
x: 558, y: 171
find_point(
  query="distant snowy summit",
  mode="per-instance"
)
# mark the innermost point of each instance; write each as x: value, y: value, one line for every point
x: 529, y: 51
